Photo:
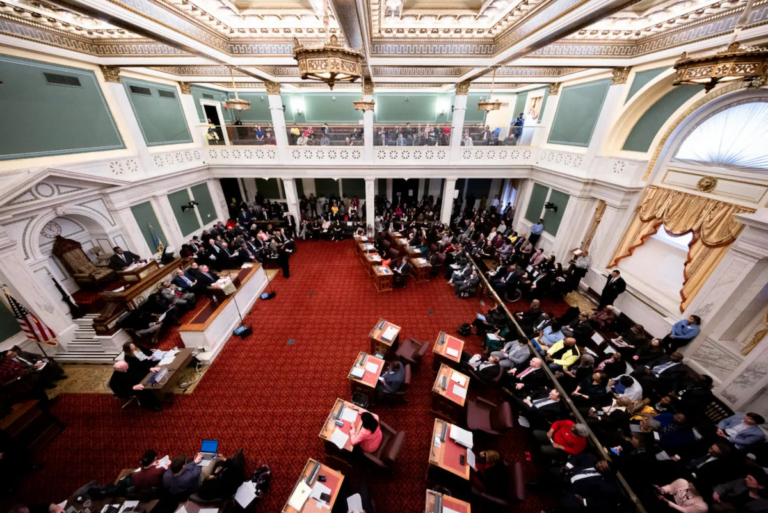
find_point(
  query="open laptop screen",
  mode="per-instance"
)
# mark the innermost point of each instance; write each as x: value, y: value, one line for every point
x: 210, y: 446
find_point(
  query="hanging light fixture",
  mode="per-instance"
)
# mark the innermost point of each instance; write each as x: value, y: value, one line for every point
x: 362, y: 103
x: 489, y: 104
x: 734, y: 62
x: 330, y: 62
x: 237, y: 103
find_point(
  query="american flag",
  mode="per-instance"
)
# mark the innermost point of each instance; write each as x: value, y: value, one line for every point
x: 34, y: 328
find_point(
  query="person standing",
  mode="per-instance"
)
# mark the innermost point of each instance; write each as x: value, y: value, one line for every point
x: 283, y: 259
x: 614, y: 286
x: 536, y: 231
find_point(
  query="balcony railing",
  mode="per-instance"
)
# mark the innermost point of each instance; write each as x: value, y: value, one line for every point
x: 240, y: 135
x: 325, y: 135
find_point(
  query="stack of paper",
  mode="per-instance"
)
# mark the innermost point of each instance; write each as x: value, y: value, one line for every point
x: 357, y: 372
x: 299, y: 496
x: 355, y: 503
x: 389, y: 334
x: 245, y: 494
x: 459, y: 391
x: 452, y: 352
x: 458, y: 378
x: 461, y: 436
x: 372, y: 367
x: 349, y: 415
x: 339, y: 438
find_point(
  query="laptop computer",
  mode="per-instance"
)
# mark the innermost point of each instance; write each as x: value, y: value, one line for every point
x: 209, y: 450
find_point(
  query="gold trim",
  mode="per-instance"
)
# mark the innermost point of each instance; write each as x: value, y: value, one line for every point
x: 693, y: 188
x: 368, y: 88
x: 554, y: 89
x: 706, y: 184
x: 111, y: 74
x: 272, y: 87
x: 186, y: 87
x: 716, y: 93
x: 620, y: 76
x: 462, y: 88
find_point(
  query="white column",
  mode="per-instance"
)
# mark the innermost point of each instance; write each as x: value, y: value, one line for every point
x: 541, y: 133
x: 447, y: 208
x: 614, y: 101
x: 16, y: 274
x: 292, y: 198
x: 420, y: 190
x: 278, y: 120
x: 219, y: 201
x: 190, y: 112
x: 249, y: 184
x: 370, y: 202
x: 457, y: 122
x: 368, y: 124
x: 389, y: 189
x: 748, y: 380
x: 168, y: 222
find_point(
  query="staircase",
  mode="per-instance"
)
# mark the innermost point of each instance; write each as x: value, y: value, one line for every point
x: 86, y: 347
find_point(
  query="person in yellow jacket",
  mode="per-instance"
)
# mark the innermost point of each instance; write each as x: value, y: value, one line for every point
x: 563, y: 354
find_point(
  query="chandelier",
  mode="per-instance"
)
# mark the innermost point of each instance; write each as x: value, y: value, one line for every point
x: 330, y: 62
x: 362, y: 103
x: 736, y: 62
x: 489, y: 105
x: 237, y: 103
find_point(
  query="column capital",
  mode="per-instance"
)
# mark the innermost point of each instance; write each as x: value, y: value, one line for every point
x: 368, y: 88
x: 186, y: 87
x: 554, y: 89
x: 273, y: 88
x: 111, y: 73
x: 620, y: 76
x: 462, y: 88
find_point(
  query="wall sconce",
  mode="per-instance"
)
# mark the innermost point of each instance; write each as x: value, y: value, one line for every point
x: 189, y: 206
x: 550, y: 206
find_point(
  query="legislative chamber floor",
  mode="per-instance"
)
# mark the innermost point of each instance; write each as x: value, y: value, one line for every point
x: 270, y: 393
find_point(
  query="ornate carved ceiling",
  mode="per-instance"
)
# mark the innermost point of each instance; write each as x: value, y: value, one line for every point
x: 452, y: 39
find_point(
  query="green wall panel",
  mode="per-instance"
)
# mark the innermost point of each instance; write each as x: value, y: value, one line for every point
x: 536, y: 203
x: 519, y: 105
x: 479, y: 187
x: 472, y: 115
x: 328, y: 187
x: 577, y: 113
x: 48, y: 119
x: 219, y: 96
x: 161, y: 119
x: 187, y: 220
x: 353, y: 187
x: 259, y: 111
x: 649, y: 124
x: 641, y: 79
x: 270, y: 189
x: 552, y: 219
x: 413, y: 108
x: 207, y: 209
x: 8, y: 324
x: 145, y: 216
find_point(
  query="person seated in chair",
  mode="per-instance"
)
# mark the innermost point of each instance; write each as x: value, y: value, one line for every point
x: 148, y: 476
x: 513, y: 354
x: 487, y: 367
x: 461, y: 287
x: 490, y: 474
x: 183, y: 478
x: 563, y: 354
x: 223, y: 479
x: 47, y: 370
x: 126, y: 383
x: 391, y: 380
x: 367, y: 435
x: 522, y: 381
x: 185, y: 282
x: 206, y: 277
x: 742, y: 430
x: 401, y: 271
x: 542, y: 407
x: 171, y: 294
x: 122, y: 259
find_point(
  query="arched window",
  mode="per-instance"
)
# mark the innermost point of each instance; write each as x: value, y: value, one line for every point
x: 735, y: 138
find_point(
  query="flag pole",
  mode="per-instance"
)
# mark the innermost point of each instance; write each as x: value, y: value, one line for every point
x: 5, y: 293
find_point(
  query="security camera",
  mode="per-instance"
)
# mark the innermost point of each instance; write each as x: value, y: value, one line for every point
x: 550, y: 206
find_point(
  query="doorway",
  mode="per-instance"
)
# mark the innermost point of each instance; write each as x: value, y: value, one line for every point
x: 404, y: 191
x: 231, y: 189
x: 212, y: 113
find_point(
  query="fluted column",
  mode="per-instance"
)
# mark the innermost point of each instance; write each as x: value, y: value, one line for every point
x: 368, y: 123
x: 278, y: 120
x: 457, y: 122
x: 447, y: 208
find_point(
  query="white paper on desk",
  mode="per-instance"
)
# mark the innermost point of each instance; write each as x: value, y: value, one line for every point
x: 470, y: 460
x: 461, y: 392
x: 448, y: 510
x: 339, y: 438
x: 458, y: 378
x: 245, y: 494
x: 349, y: 415
x: 389, y: 334
x: 597, y: 338
x: 452, y: 352
x: 299, y: 496
x: 355, y: 503
x: 357, y: 372
x: 609, y: 350
x: 118, y: 290
x: 372, y: 367
x: 318, y: 489
x: 133, y: 504
x: 208, y: 510
x: 246, y: 266
x: 591, y: 352
x: 166, y: 360
x: 461, y: 436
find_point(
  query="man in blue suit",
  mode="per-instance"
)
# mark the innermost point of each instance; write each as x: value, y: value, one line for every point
x: 392, y: 379
x: 186, y: 282
x: 742, y: 429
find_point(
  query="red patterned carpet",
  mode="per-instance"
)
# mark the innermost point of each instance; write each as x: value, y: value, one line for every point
x: 271, y: 398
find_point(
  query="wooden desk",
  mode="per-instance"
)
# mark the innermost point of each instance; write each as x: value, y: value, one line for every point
x: 446, y: 457
x: 378, y: 344
x: 401, y: 243
x: 30, y: 426
x: 382, y: 278
x: 164, y: 390
x: 366, y: 247
x: 421, y: 269
x: 447, y: 502
x: 330, y: 426
x: 334, y: 479
x: 371, y: 260
x: 447, y: 402
x: 367, y: 384
x: 440, y: 351
x: 414, y: 252
x: 139, y: 272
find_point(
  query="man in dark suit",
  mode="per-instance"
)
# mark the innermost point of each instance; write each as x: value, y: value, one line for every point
x: 392, y: 379
x: 290, y: 224
x: 506, y: 279
x: 122, y: 259
x: 206, y: 277
x: 590, y: 486
x: 185, y: 282
x: 661, y: 374
x: 717, y: 465
x: 487, y: 367
x: 47, y: 370
x: 461, y: 287
x: 401, y: 271
x: 243, y: 217
x: 126, y: 382
x: 614, y: 286
x: 542, y: 407
x: 527, y: 319
x: 522, y: 382
x: 540, y: 285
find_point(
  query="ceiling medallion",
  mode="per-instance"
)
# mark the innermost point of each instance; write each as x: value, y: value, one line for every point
x: 489, y: 104
x: 237, y: 103
x: 706, y: 184
x: 330, y: 62
x: 736, y: 62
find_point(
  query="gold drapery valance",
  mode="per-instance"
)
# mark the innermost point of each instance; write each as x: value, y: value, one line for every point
x: 712, y: 223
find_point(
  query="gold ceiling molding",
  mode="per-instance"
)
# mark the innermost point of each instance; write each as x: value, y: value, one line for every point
x: 716, y: 93
x: 462, y: 88
x: 186, y: 87
x: 619, y: 76
x: 272, y: 87
x: 554, y: 89
x: 111, y: 74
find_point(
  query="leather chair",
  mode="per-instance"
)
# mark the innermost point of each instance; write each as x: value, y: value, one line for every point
x: 391, y: 444
x: 438, y: 265
x: 412, y: 351
x: 386, y: 243
x: 394, y: 253
x: 488, y: 417
x: 478, y: 378
x: 484, y: 501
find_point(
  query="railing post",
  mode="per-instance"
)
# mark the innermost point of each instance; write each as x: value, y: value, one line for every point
x: 368, y: 123
x: 278, y: 120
